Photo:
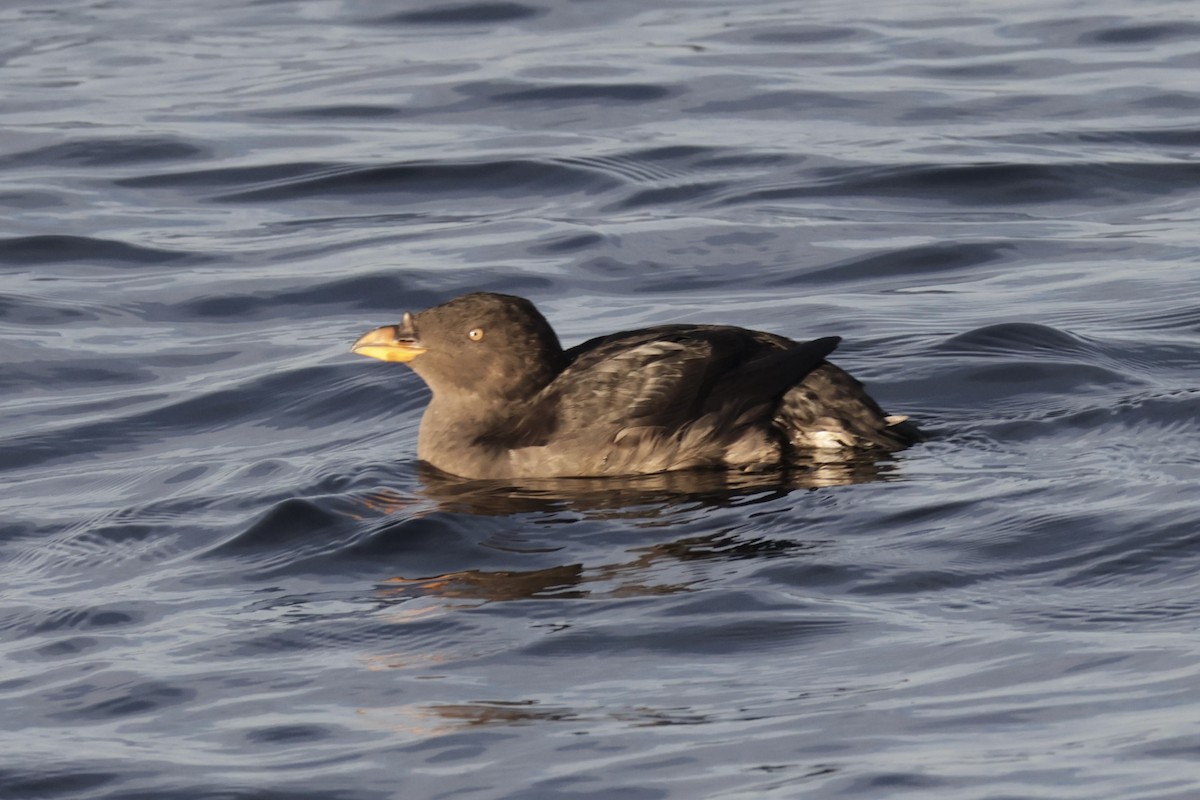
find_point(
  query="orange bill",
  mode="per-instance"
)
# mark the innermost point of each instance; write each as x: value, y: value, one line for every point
x: 387, y: 344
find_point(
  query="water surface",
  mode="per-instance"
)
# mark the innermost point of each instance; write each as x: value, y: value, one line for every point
x: 226, y: 575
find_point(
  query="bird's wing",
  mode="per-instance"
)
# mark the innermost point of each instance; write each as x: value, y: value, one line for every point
x: 648, y: 384
x: 663, y: 378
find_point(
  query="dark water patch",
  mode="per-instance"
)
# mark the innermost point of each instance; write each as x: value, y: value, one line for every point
x: 30, y: 201
x: 117, y: 700
x: 393, y: 293
x: 288, y: 734
x: 331, y: 113
x: 1182, y: 136
x: 512, y: 177
x: 930, y: 259
x: 1135, y: 34
x: 241, y: 307
x: 282, y: 400
x: 1017, y: 338
x: 259, y: 306
x: 86, y: 619
x: 686, y: 153
x: 296, y: 526
x: 807, y: 575
x: 18, y: 309
x: 99, y: 152
x: 363, y: 533
x: 588, y: 93
x: 423, y: 544
x: 889, y: 782
x: 465, y: 14
x: 981, y: 183
x: 805, y: 34
x: 1185, y: 747
x: 77, y: 373
x: 567, y: 243
x: 227, y: 177
x: 65, y: 249
x: 1172, y: 556
x: 969, y: 72
x: 67, y: 780
x: 67, y: 648
x: 1172, y: 103
x: 988, y: 184
x: 1027, y: 379
x: 1130, y: 360
x: 711, y: 639
x: 916, y: 581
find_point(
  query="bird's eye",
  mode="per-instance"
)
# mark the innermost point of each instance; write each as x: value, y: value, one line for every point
x: 475, y: 334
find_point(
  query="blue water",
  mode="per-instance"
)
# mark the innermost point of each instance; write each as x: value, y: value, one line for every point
x: 223, y: 573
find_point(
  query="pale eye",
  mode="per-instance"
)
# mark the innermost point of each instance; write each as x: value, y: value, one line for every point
x: 475, y: 334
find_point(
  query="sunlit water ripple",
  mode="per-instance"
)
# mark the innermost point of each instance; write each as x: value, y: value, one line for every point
x: 226, y: 575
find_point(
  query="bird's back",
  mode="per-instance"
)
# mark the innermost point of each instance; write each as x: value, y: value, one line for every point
x: 680, y: 396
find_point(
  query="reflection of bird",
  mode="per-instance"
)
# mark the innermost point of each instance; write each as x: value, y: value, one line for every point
x: 509, y: 402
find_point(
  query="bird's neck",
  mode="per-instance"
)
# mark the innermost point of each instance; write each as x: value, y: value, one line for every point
x: 460, y: 433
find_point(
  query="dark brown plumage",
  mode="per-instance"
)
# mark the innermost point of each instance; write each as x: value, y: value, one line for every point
x: 509, y: 402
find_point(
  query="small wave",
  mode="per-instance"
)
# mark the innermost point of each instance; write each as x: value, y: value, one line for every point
x: 227, y: 177
x: 929, y: 259
x: 1017, y: 338
x: 40, y: 312
x: 500, y: 177
x: 465, y: 14
x: 113, y: 694
x: 575, y: 93
x: 283, y: 399
x: 330, y: 112
x: 63, y: 249
x: 984, y: 184
x: 392, y: 293
x: 711, y: 638
x: 90, y: 619
x: 1133, y: 33
x: 1183, y: 137
x: 99, y: 152
x: 673, y: 196
x: 1129, y: 358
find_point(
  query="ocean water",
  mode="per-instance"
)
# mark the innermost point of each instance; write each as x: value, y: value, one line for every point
x: 223, y: 573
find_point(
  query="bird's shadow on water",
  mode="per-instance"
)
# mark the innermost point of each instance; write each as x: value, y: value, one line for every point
x: 677, y: 514
x: 428, y: 525
x: 639, y: 495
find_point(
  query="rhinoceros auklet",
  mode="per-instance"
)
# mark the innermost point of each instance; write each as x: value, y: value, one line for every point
x: 509, y: 402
